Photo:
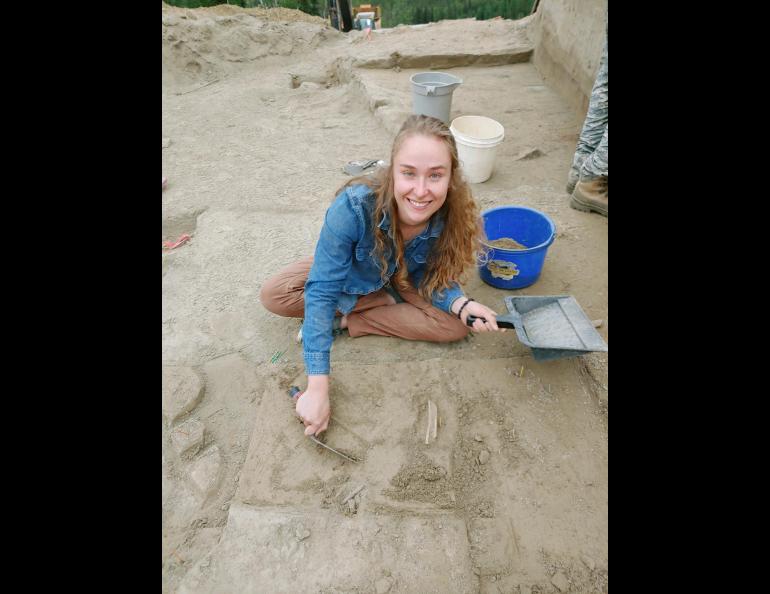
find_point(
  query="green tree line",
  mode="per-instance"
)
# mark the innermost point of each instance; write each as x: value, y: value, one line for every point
x: 394, y: 12
x: 414, y: 12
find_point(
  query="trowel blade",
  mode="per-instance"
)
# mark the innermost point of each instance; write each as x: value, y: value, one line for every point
x: 320, y: 443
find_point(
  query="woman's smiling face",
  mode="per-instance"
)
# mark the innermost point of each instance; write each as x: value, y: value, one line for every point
x: 422, y: 171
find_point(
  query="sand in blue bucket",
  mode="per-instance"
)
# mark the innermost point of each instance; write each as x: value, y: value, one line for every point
x: 508, y: 266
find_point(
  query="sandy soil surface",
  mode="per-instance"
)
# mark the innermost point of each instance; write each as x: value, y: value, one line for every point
x: 261, y: 111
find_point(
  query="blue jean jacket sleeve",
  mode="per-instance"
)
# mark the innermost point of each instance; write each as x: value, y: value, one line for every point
x: 332, y: 261
x: 444, y: 299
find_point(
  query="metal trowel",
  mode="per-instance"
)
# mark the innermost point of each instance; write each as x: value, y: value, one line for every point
x: 294, y: 390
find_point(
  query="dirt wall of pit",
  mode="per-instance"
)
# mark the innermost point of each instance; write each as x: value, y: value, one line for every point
x: 568, y: 37
x: 205, y: 45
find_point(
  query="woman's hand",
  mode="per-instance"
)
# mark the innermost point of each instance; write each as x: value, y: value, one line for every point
x: 313, y: 407
x: 479, y: 310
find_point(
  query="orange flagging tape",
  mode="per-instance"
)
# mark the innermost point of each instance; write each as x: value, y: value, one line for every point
x: 170, y: 245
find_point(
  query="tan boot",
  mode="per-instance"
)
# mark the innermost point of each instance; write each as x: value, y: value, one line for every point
x: 572, y: 180
x: 591, y: 196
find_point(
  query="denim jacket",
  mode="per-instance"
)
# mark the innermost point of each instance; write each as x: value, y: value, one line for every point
x: 345, y: 268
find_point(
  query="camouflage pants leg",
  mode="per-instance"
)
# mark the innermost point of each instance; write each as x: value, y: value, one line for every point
x: 597, y: 163
x: 594, y: 132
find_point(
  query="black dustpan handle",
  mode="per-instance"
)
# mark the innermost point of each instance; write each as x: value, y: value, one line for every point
x: 500, y: 323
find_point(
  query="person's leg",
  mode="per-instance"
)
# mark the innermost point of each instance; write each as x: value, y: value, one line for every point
x: 415, y: 319
x: 376, y: 313
x: 591, y: 193
x: 595, y: 123
x: 284, y: 293
x: 597, y: 163
x: 372, y: 300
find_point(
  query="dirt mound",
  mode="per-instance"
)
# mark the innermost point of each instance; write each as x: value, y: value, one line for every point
x: 205, y: 44
x: 287, y: 15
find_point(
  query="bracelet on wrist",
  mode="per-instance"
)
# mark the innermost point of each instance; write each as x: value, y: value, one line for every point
x: 462, y: 307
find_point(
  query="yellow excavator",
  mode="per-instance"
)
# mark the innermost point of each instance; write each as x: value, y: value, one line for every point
x: 361, y: 17
x: 367, y: 15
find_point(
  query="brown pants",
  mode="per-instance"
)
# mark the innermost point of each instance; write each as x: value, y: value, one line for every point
x: 416, y: 319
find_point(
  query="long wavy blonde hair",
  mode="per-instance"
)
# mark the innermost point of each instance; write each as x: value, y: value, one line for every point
x: 458, y: 246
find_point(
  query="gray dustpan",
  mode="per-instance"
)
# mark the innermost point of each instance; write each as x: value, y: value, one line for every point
x: 554, y: 326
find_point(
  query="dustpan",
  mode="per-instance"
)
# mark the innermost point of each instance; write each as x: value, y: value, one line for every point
x: 553, y: 326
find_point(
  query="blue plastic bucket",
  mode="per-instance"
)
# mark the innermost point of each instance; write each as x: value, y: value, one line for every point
x: 509, y: 268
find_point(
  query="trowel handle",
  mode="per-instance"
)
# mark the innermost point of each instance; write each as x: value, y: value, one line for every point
x: 500, y: 323
x: 293, y: 392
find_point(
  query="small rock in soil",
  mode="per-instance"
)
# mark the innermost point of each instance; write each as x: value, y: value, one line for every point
x: 560, y: 581
x: 382, y: 586
x: 589, y: 563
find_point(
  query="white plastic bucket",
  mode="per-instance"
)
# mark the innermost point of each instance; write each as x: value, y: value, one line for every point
x: 477, y: 138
